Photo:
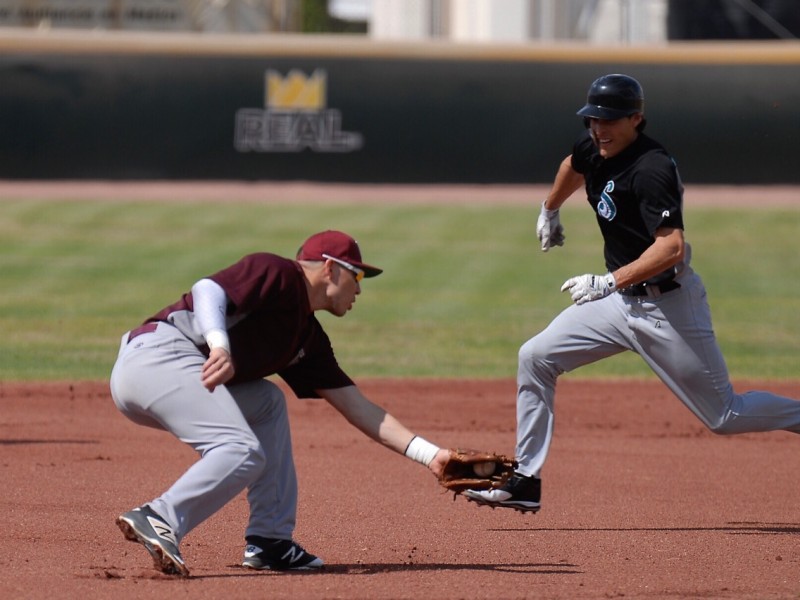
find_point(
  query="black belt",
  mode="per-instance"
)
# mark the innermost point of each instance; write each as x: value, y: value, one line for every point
x: 146, y: 328
x: 650, y: 289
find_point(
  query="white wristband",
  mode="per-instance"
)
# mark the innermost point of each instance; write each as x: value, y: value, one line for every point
x: 421, y: 451
x: 217, y: 338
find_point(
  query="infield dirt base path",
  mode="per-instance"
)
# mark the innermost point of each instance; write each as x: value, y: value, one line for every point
x: 722, y: 196
x: 639, y: 501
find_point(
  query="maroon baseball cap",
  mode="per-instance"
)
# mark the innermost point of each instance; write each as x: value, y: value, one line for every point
x: 337, y: 245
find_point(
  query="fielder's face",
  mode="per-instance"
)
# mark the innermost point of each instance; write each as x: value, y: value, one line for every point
x: 612, y: 137
x: 342, y: 289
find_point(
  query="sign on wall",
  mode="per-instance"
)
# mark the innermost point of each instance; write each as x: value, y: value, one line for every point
x: 161, y: 15
x: 295, y: 117
x: 138, y: 15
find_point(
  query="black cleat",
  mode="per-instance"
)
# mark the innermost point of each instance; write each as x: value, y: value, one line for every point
x: 278, y: 555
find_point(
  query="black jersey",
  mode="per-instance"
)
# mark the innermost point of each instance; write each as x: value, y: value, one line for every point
x: 633, y: 194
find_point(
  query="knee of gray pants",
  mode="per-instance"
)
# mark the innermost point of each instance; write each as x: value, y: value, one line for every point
x: 533, y: 360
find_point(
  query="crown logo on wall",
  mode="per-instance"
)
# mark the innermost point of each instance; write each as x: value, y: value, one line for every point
x: 295, y: 91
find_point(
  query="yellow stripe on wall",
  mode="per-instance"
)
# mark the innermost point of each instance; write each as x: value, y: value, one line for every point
x: 18, y: 41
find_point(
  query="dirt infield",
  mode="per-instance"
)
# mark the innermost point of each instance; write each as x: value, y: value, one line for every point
x: 639, y: 501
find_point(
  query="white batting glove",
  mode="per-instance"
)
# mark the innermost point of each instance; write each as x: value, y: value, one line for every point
x: 549, y: 229
x: 585, y: 288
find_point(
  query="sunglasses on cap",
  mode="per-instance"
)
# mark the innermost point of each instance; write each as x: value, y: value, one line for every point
x: 357, y: 273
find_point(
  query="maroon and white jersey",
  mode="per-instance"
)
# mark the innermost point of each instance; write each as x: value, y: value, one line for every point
x: 271, y: 326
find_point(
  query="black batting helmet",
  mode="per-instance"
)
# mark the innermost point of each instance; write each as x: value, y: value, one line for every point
x: 612, y: 97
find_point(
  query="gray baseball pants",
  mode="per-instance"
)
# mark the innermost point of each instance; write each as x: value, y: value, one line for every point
x: 672, y: 333
x: 240, y: 432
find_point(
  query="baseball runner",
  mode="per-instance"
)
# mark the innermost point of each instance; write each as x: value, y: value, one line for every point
x: 196, y: 369
x: 650, y: 301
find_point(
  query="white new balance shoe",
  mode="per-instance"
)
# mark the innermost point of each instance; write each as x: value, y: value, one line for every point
x: 519, y: 492
x: 144, y: 526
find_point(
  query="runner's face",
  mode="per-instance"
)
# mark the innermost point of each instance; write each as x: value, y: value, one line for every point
x: 612, y: 137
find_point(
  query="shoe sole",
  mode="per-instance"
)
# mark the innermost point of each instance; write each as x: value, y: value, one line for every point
x: 162, y: 560
x: 493, y: 505
x: 268, y: 567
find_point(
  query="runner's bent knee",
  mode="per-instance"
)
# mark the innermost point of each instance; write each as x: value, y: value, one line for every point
x: 534, y: 360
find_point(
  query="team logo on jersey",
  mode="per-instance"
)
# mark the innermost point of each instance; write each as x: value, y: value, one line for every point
x: 606, y: 207
x: 300, y: 356
x: 295, y: 117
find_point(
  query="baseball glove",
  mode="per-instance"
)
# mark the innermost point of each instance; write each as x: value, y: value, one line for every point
x: 470, y: 469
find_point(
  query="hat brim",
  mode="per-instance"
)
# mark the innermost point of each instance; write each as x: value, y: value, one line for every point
x: 601, y: 112
x: 369, y: 270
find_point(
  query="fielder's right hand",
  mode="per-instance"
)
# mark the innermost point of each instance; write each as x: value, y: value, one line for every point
x: 218, y: 369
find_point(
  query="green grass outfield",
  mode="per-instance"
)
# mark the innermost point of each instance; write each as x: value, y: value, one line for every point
x: 464, y: 285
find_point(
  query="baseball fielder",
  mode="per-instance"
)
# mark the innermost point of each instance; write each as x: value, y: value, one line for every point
x: 650, y: 301
x: 197, y: 368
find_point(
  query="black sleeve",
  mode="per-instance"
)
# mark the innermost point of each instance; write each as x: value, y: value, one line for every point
x: 658, y: 186
x: 583, y: 153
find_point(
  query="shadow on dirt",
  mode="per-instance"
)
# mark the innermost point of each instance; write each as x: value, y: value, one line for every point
x: 734, y: 528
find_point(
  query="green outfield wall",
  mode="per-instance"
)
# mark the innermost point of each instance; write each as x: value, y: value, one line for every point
x: 85, y: 105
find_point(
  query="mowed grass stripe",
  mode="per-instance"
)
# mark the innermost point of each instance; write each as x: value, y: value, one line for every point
x: 464, y: 285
